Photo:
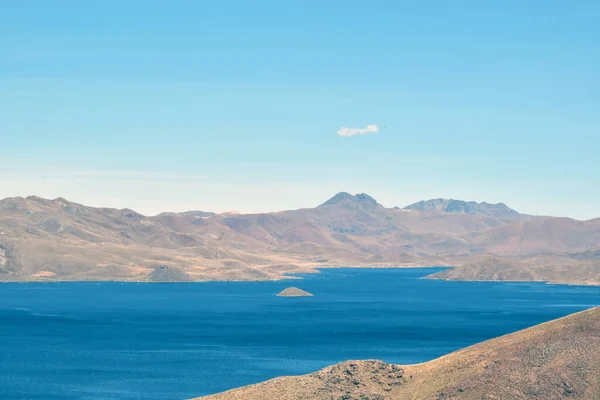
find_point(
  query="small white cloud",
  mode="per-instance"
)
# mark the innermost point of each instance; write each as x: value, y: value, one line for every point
x: 344, y: 131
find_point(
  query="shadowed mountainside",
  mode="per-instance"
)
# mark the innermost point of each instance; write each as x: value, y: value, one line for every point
x: 61, y: 240
x: 555, y: 360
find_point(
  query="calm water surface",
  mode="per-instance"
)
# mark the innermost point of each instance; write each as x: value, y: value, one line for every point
x: 174, y: 341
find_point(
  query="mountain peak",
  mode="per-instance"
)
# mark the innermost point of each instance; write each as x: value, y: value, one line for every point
x: 338, y: 198
x: 366, y: 197
x: 347, y: 198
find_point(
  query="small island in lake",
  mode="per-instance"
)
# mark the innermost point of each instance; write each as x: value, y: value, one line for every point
x: 294, y: 292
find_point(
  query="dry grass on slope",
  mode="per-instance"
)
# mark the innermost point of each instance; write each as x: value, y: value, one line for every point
x: 556, y: 360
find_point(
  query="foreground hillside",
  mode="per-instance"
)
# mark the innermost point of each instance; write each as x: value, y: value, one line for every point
x: 556, y: 360
x: 43, y: 239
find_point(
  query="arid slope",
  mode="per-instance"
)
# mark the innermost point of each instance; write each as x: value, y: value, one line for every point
x: 61, y: 240
x: 575, y: 269
x: 556, y: 360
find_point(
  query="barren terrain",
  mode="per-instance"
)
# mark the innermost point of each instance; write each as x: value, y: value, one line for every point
x: 43, y: 239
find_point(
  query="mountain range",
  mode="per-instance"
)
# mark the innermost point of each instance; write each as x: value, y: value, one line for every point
x: 42, y: 239
x: 500, y: 210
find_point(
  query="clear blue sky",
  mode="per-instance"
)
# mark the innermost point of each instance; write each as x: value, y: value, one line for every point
x: 218, y: 105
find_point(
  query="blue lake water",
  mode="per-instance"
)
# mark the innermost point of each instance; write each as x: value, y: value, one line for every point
x: 175, y: 341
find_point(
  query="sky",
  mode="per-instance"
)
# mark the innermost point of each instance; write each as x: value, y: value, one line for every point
x: 270, y: 105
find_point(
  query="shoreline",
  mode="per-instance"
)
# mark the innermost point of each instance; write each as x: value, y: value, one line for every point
x: 313, y: 270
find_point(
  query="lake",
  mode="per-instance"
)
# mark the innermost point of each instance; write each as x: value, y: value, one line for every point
x: 90, y: 340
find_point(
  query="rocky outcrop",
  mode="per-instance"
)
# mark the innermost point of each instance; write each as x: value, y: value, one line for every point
x: 294, y: 292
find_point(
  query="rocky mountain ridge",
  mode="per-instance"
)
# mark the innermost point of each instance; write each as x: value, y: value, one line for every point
x: 467, y: 207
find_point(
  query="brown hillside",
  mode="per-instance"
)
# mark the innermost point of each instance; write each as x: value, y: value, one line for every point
x: 556, y: 360
x: 61, y: 240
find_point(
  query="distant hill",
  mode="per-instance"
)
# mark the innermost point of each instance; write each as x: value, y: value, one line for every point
x: 499, y: 210
x: 573, y: 268
x: 56, y: 239
x: 551, y: 361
